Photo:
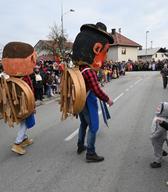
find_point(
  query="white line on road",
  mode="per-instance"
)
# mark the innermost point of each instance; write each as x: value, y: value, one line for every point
x: 100, y: 112
x: 118, y: 97
x: 72, y: 135
x: 137, y: 81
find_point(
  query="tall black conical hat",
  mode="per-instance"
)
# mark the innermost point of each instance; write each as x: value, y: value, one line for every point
x: 98, y: 28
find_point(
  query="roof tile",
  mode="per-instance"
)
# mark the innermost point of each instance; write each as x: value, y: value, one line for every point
x: 124, y: 41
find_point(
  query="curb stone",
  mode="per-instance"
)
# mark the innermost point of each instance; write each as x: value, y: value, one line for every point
x: 39, y: 103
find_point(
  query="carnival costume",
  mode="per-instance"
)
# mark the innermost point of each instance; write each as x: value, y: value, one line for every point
x: 159, y: 134
x: 17, y: 103
x: 89, y: 51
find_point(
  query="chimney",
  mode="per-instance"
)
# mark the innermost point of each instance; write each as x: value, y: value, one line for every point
x: 113, y: 31
x: 119, y: 30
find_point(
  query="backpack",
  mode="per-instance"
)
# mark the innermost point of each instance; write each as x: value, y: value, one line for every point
x: 73, y: 92
x: 16, y: 100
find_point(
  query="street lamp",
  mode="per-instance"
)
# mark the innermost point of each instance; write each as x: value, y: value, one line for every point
x: 151, y: 44
x: 146, y: 44
x: 62, y: 24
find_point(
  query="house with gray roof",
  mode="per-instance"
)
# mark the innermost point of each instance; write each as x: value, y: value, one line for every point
x: 153, y: 54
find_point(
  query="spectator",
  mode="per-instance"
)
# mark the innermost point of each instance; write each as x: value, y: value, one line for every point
x: 49, y: 82
x: 164, y: 73
x: 159, y: 134
x: 37, y: 84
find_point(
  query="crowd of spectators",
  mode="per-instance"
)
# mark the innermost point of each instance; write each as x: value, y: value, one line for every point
x: 145, y: 65
x: 47, y: 74
x: 46, y: 79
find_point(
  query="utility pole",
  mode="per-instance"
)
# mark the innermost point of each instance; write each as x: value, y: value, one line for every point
x: 146, y: 45
x: 62, y: 26
x: 151, y: 44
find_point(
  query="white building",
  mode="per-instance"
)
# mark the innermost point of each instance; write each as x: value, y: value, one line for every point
x: 123, y: 49
x: 152, y: 54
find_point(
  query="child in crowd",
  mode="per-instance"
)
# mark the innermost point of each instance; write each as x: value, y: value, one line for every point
x: 159, y: 133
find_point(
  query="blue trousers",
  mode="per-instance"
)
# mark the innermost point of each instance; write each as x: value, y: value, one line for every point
x: 89, y: 118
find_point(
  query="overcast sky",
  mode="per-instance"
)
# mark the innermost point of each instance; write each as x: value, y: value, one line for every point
x: 30, y: 21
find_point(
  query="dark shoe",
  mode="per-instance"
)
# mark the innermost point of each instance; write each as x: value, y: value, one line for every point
x: 155, y: 165
x: 81, y: 149
x: 164, y: 153
x: 94, y: 158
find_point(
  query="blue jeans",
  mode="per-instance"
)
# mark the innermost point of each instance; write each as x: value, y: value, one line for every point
x: 21, y: 135
x: 48, y: 91
x: 91, y: 136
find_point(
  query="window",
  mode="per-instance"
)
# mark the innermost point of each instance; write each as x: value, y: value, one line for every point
x: 123, y: 51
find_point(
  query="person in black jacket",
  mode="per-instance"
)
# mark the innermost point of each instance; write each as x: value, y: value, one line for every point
x: 37, y: 84
x: 164, y: 73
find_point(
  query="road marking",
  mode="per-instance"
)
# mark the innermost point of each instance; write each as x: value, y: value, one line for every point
x: 131, y: 86
x: 72, y: 135
x: 100, y: 112
x: 137, y: 81
x: 118, y: 97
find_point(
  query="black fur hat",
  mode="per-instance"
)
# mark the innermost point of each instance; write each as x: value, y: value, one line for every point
x: 98, y: 28
x: 86, y: 39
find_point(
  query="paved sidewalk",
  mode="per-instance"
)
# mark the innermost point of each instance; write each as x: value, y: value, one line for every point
x: 45, y: 100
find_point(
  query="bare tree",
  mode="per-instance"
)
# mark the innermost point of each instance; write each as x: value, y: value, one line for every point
x: 57, y: 39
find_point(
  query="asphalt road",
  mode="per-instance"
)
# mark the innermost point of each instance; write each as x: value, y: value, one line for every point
x: 52, y: 165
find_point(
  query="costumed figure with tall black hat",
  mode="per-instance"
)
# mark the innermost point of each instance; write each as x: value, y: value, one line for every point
x: 89, y: 52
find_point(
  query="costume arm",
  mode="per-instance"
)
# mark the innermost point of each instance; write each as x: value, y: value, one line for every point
x: 164, y: 124
x: 94, y: 85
